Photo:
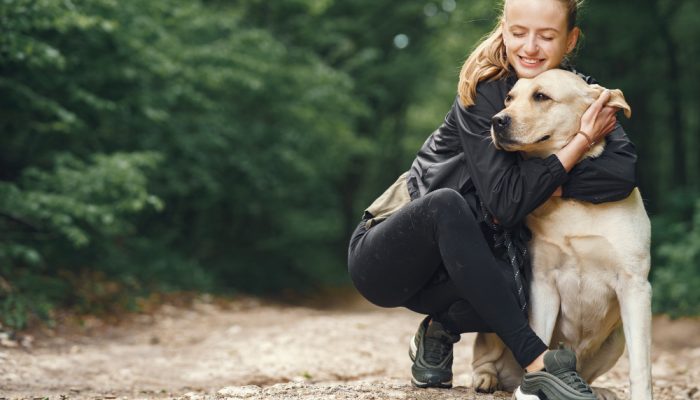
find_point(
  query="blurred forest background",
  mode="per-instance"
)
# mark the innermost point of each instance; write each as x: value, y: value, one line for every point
x: 231, y: 146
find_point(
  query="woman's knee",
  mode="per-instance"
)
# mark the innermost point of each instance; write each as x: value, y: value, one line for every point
x: 449, y: 204
x: 379, y: 296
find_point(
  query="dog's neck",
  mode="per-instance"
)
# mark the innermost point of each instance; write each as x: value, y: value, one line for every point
x: 595, y: 151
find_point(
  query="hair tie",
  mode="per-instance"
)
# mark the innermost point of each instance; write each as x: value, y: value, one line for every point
x: 591, y: 143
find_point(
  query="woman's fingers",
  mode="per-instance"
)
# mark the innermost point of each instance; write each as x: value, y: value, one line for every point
x: 608, y: 119
x: 595, y: 108
x: 610, y: 126
x: 590, y: 120
x: 602, y: 100
x: 599, y: 120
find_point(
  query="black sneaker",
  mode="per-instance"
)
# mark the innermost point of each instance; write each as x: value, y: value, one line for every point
x: 431, y: 353
x: 559, y: 380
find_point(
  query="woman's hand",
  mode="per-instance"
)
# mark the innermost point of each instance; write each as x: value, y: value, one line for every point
x: 599, y: 120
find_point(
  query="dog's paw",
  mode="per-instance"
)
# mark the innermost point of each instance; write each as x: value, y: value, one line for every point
x: 484, y: 382
x: 605, y: 394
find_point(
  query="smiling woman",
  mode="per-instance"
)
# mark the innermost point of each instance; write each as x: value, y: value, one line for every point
x: 537, y: 35
x: 531, y: 37
x: 422, y: 244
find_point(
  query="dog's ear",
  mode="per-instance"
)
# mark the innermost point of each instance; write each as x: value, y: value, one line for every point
x: 617, y: 99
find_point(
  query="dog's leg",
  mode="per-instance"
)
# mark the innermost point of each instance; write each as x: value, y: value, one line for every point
x: 544, y: 308
x: 494, y: 365
x: 634, y: 294
x: 605, y: 357
x: 488, y: 349
x: 544, y: 295
x: 602, y: 361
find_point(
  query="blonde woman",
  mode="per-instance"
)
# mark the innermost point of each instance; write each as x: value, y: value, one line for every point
x: 447, y: 239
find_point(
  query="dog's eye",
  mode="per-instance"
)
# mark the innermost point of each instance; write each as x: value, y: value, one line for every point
x: 509, y: 98
x: 541, y: 97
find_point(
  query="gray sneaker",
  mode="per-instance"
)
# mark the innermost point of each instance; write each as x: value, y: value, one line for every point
x: 559, y: 380
x: 431, y: 353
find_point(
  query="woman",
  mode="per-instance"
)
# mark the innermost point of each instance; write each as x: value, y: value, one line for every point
x: 423, y: 244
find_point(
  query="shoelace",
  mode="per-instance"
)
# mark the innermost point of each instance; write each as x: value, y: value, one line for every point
x: 573, y: 379
x: 436, y: 349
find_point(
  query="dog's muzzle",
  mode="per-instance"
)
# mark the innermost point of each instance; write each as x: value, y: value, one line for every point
x: 500, y: 124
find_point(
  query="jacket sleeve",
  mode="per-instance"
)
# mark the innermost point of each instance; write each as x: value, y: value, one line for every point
x: 609, y: 177
x: 510, y: 186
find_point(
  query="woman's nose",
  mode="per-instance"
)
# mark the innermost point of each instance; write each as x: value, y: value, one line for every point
x: 531, y: 45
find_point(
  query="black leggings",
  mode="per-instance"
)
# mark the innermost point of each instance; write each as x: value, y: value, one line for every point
x: 431, y: 257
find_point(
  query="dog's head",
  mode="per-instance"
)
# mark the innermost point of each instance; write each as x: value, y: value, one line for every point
x: 543, y: 114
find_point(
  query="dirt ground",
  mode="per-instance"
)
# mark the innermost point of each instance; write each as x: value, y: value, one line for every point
x: 248, y: 349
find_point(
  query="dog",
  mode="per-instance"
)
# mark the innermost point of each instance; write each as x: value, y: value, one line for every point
x: 590, y: 288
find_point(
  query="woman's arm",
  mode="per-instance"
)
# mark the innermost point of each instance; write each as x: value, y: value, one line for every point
x: 609, y: 177
x: 596, y: 123
x: 510, y: 186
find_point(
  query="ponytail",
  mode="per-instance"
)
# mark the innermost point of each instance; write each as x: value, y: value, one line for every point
x: 488, y: 61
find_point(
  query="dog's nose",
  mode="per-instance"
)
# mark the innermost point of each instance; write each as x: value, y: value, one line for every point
x: 500, y: 122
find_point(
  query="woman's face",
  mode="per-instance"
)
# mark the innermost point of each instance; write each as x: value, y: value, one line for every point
x: 536, y: 35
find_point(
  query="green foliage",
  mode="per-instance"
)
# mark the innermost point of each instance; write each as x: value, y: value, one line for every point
x: 168, y: 145
x: 231, y: 146
x: 48, y: 213
x: 77, y: 200
x: 650, y: 56
x: 676, y: 276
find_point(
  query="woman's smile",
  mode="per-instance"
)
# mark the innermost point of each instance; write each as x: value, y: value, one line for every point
x: 529, y: 62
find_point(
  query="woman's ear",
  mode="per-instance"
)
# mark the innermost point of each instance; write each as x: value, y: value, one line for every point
x: 572, y: 39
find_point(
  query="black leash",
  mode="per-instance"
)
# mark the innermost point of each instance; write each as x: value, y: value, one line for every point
x: 514, y: 243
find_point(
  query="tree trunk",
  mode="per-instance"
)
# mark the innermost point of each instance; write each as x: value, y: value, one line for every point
x: 679, y: 176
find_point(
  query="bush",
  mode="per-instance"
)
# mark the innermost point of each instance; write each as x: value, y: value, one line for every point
x: 676, y: 266
x: 52, y: 219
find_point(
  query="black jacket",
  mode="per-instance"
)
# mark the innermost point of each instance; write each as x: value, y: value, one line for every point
x: 460, y: 155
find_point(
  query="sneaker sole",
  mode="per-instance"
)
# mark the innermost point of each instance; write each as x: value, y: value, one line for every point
x: 425, y: 385
x: 519, y: 395
x: 549, y: 387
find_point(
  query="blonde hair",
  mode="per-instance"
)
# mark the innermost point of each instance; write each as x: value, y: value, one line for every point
x: 488, y: 60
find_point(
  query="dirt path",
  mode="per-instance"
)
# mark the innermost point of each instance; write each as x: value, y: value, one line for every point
x: 256, y: 351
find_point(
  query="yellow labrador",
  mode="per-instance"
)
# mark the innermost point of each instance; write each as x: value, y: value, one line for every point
x: 590, y: 261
